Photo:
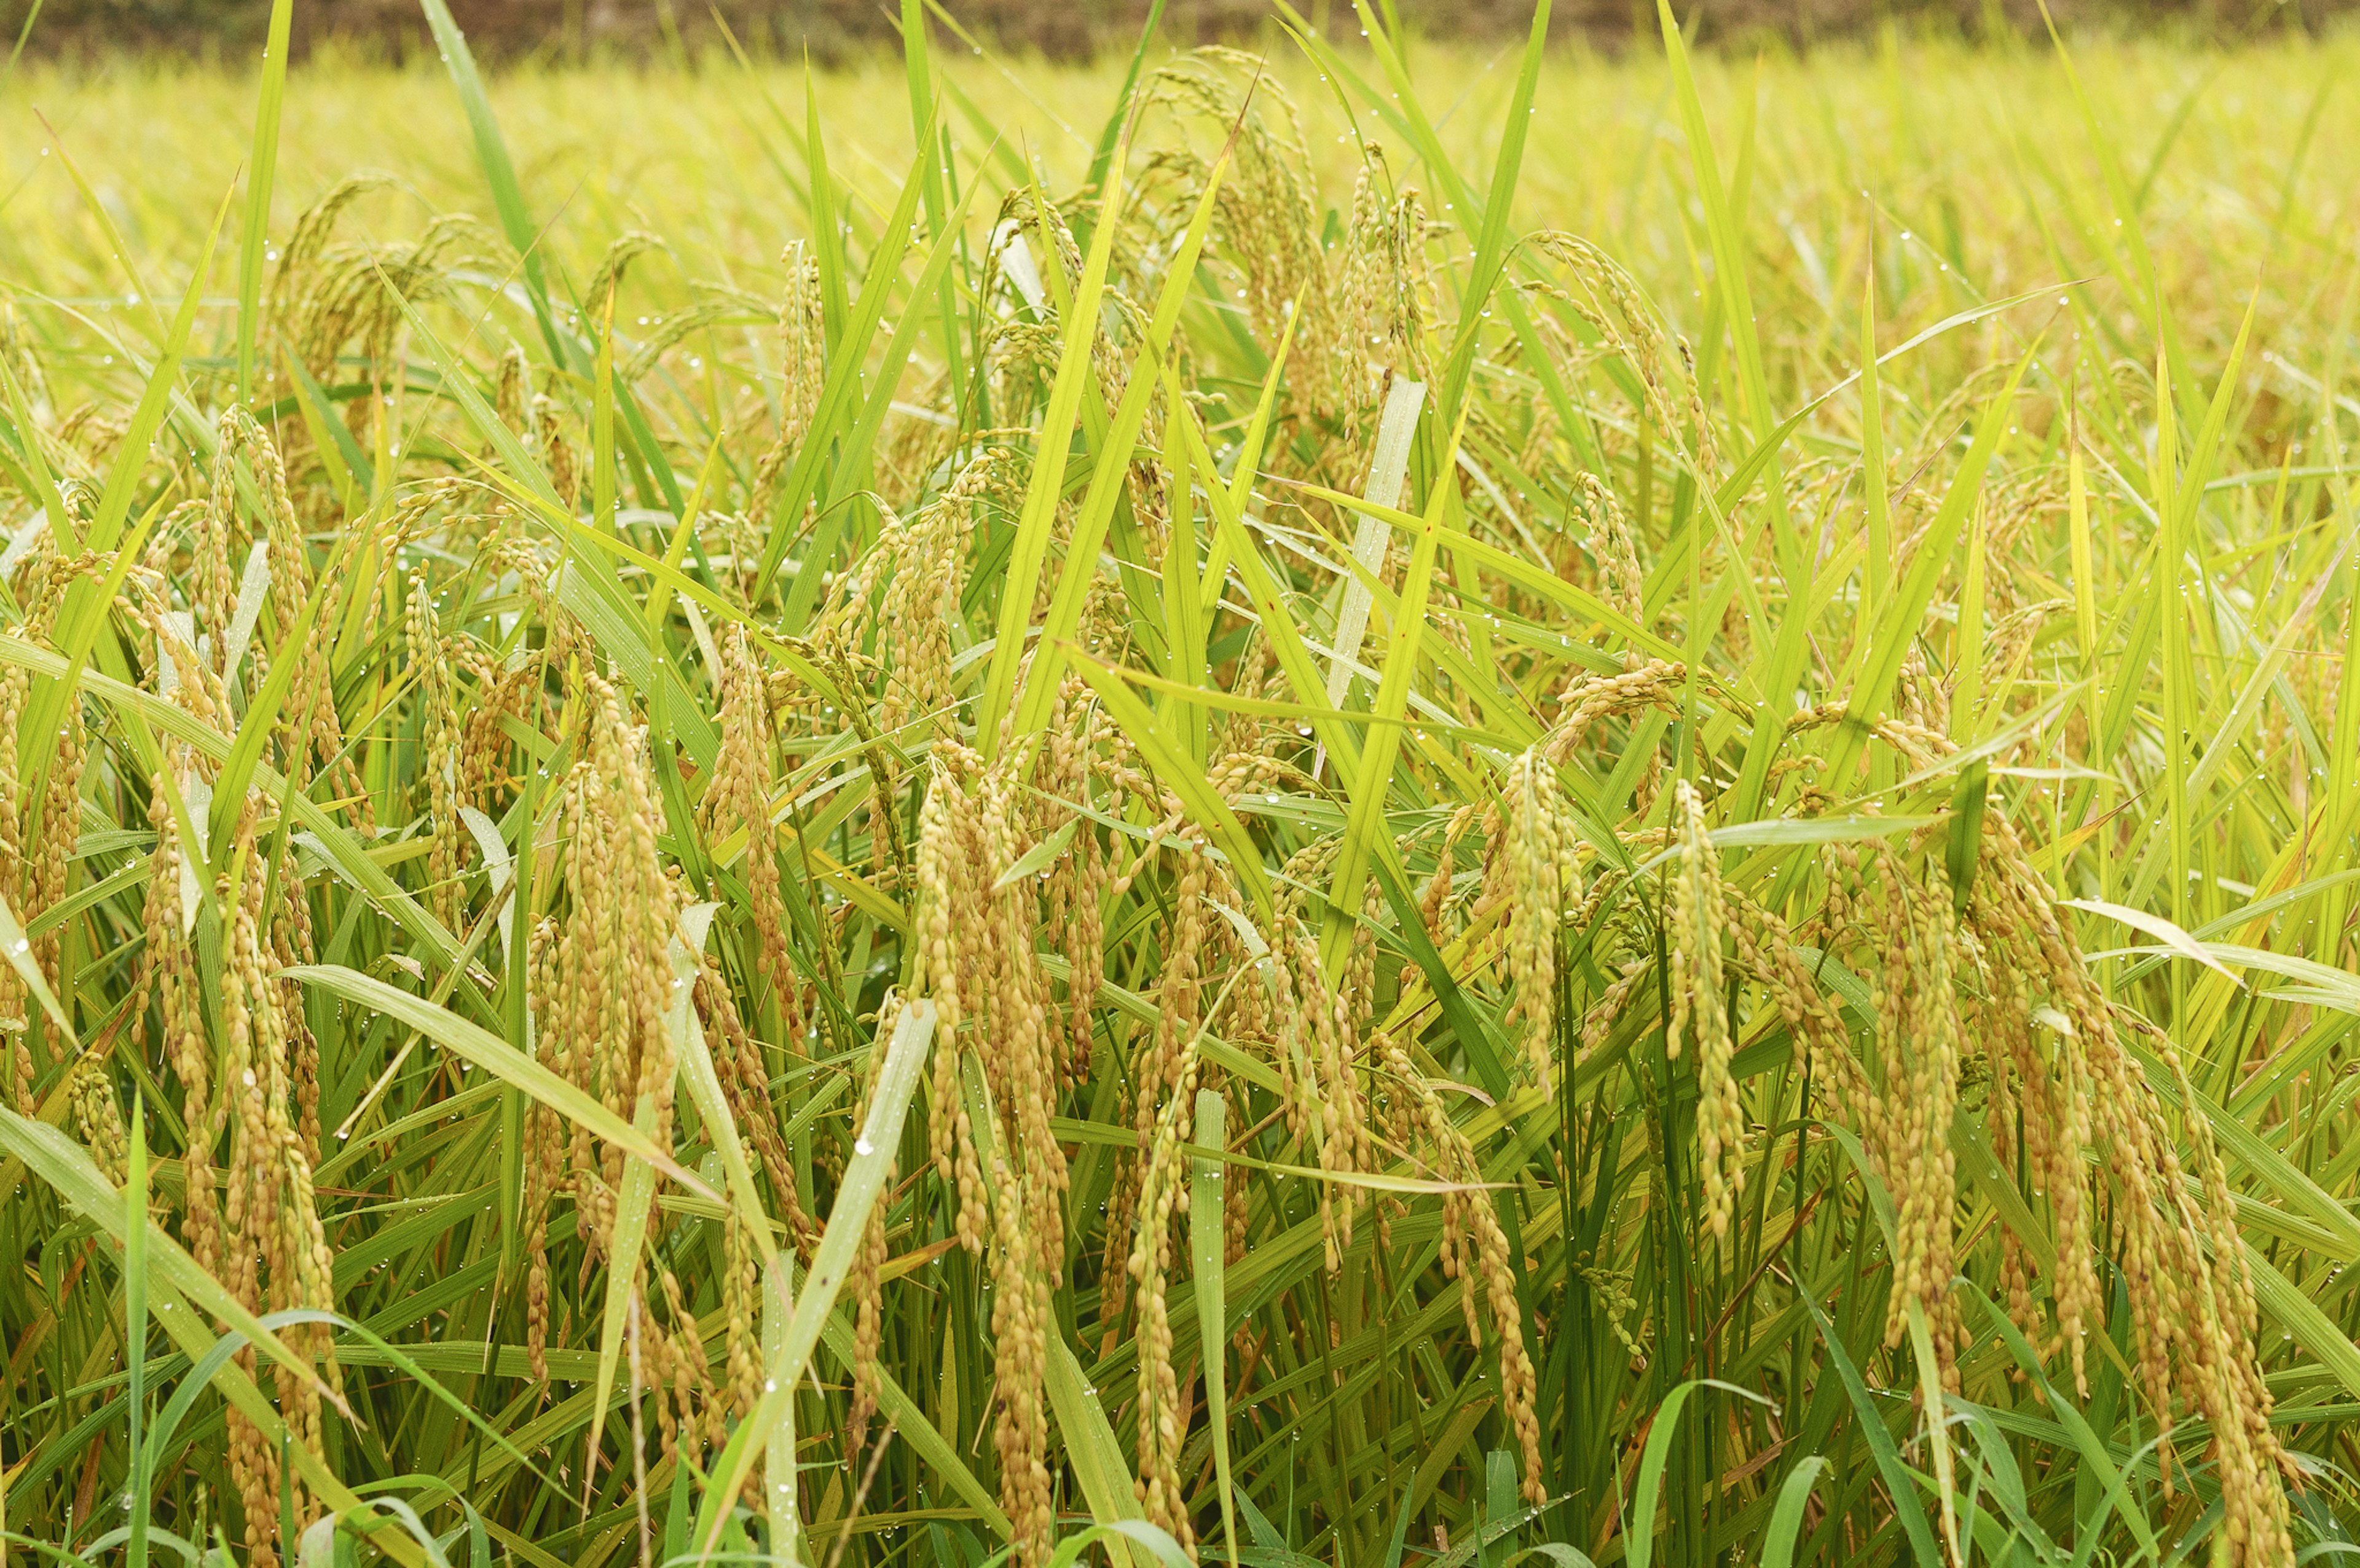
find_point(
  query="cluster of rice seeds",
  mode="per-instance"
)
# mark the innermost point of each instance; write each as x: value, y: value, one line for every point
x: 1384, y: 282
x: 923, y: 561
x: 308, y: 733
x: 438, y: 751
x: 669, y: 1370
x: 181, y: 791
x: 1621, y: 577
x: 99, y: 1114
x: 1605, y: 295
x: 1310, y: 1028
x: 741, y: 1308
x: 738, y: 800
x: 1769, y: 953
x: 2191, y: 1295
x: 15, y: 688
x: 505, y: 693
x: 976, y: 961
x: 802, y: 366
x: 1074, y: 885
x: 1589, y: 701
x: 2061, y: 1088
x: 17, y: 871
x: 1359, y: 311
x: 1156, y: 1067
x: 331, y: 296
x: 556, y: 450
x: 2060, y: 1085
x: 1019, y: 345
x: 272, y: 1239
x: 1531, y: 873
x: 41, y: 828
x: 865, y: 1283
x: 602, y: 982
x: 1162, y: 1194
x: 1916, y: 1066
x: 1441, y: 891
x: 738, y: 1061
x: 1475, y: 1251
x: 1699, y: 1008
x: 252, y: 1099
x: 1277, y: 999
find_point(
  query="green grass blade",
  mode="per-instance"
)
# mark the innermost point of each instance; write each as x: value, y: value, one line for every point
x: 1901, y: 616
x: 1208, y: 1245
x: 1118, y: 118
x: 39, y: 482
x: 1388, y: 466
x: 1178, y: 773
x: 781, y: 1503
x: 863, y: 1185
x: 847, y: 355
x: 499, y: 170
x: 852, y: 459
x: 262, y: 171
x: 1091, y: 1448
x: 1491, y: 256
x: 135, y: 1323
x: 262, y: 715
x: 926, y: 127
x: 131, y: 457
x: 1369, y: 781
x: 1786, y: 1517
x: 480, y: 1048
x: 1899, y: 1484
x: 2090, y: 1446
x: 827, y: 227
x: 1874, y: 486
x: 143, y: 298
x: 1938, y: 1434
x: 1111, y: 477
x: 1639, y: 1532
x: 1724, y: 228
x: 1078, y: 330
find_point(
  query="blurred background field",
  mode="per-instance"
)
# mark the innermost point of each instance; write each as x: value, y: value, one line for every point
x: 551, y: 29
x: 1970, y: 160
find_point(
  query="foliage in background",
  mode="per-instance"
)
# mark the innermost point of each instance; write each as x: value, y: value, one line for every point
x: 1288, y: 865
x: 840, y: 30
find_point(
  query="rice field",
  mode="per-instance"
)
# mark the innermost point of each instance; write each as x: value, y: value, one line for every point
x: 1347, y: 806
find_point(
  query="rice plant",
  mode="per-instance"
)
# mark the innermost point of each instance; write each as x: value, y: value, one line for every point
x: 1318, y: 826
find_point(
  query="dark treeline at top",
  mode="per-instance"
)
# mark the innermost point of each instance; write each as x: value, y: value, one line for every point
x: 554, y: 30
